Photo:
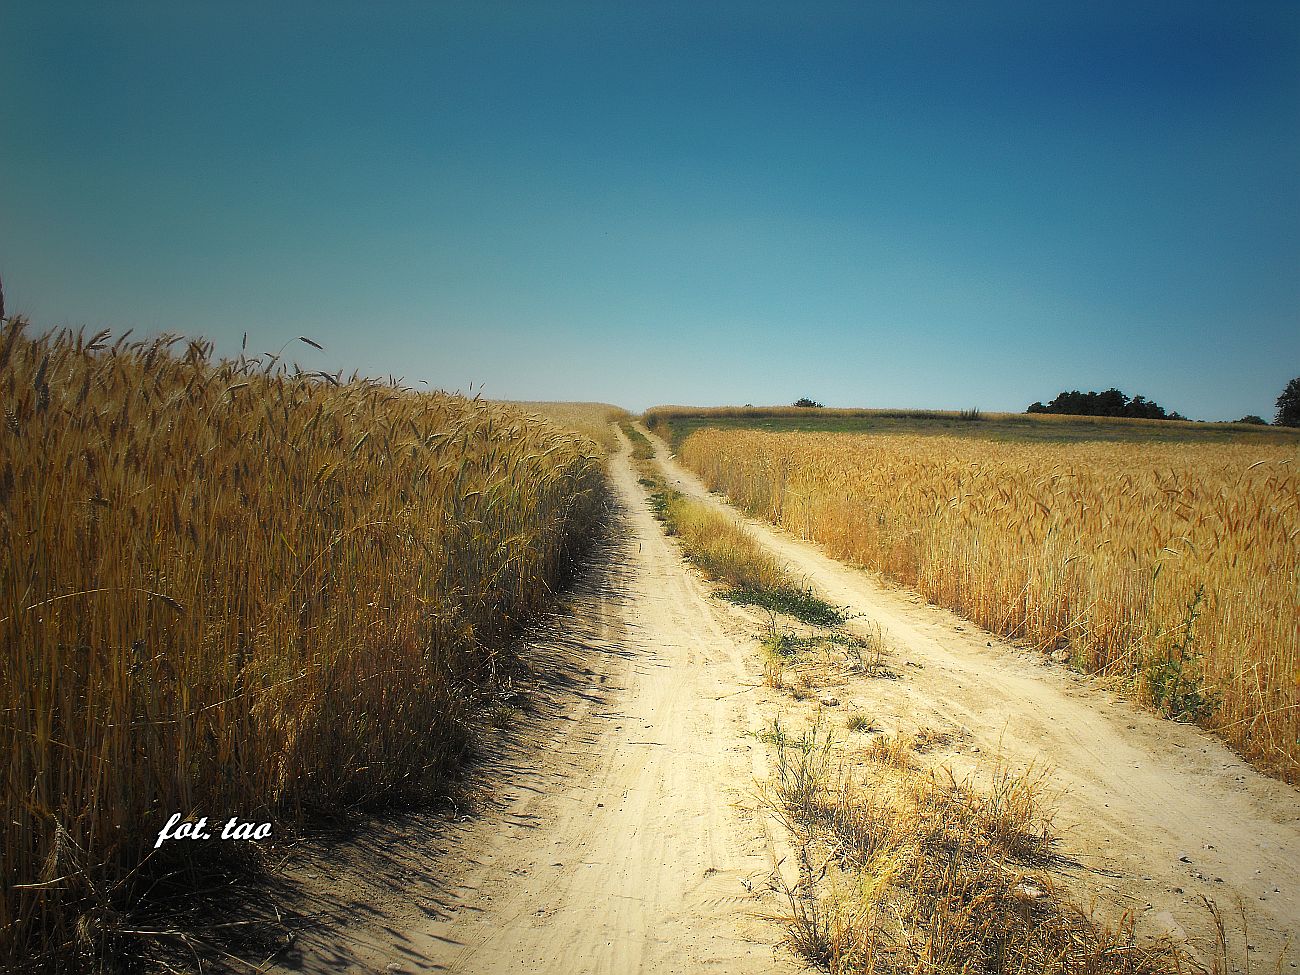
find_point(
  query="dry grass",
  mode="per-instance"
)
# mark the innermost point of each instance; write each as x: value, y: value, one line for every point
x: 1170, y: 567
x: 907, y: 870
x: 232, y: 590
x: 722, y: 550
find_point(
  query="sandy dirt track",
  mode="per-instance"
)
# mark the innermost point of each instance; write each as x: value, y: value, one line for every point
x: 627, y: 839
x: 619, y: 828
x: 1159, y: 814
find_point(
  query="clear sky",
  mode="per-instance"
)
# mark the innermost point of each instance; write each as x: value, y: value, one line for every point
x: 895, y: 204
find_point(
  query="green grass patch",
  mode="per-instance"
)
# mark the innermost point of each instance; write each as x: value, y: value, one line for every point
x: 661, y: 501
x: 642, y: 449
x: 676, y: 426
x: 802, y: 604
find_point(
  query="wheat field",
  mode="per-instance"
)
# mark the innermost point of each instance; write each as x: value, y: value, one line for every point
x: 595, y: 421
x: 233, y: 588
x: 1172, y: 568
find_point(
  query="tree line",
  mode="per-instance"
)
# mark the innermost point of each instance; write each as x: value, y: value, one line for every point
x: 1112, y: 402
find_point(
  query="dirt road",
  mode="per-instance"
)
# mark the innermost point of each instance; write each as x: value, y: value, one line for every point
x: 1161, y: 813
x: 627, y: 840
x: 621, y: 830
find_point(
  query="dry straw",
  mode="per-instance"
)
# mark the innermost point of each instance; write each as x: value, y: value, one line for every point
x: 908, y: 870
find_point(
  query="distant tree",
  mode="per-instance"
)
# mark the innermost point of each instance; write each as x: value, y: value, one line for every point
x: 1111, y: 402
x: 1141, y: 406
x: 810, y: 403
x: 1252, y: 418
x: 1288, y: 405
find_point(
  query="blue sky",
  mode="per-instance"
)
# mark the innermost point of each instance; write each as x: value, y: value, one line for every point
x: 931, y: 204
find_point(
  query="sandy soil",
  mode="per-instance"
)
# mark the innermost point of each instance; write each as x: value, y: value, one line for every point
x: 622, y: 830
x: 1159, y: 814
x: 618, y: 826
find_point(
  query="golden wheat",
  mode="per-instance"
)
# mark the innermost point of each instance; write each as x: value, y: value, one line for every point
x: 595, y: 421
x: 1173, y: 567
x: 229, y: 589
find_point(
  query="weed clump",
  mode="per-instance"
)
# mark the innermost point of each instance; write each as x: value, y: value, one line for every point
x: 1173, y: 680
x: 857, y: 720
x: 803, y: 604
x: 916, y: 871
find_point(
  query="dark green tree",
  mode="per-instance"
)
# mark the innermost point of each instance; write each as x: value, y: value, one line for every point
x: 805, y: 401
x: 1111, y: 402
x: 1288, y: 405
